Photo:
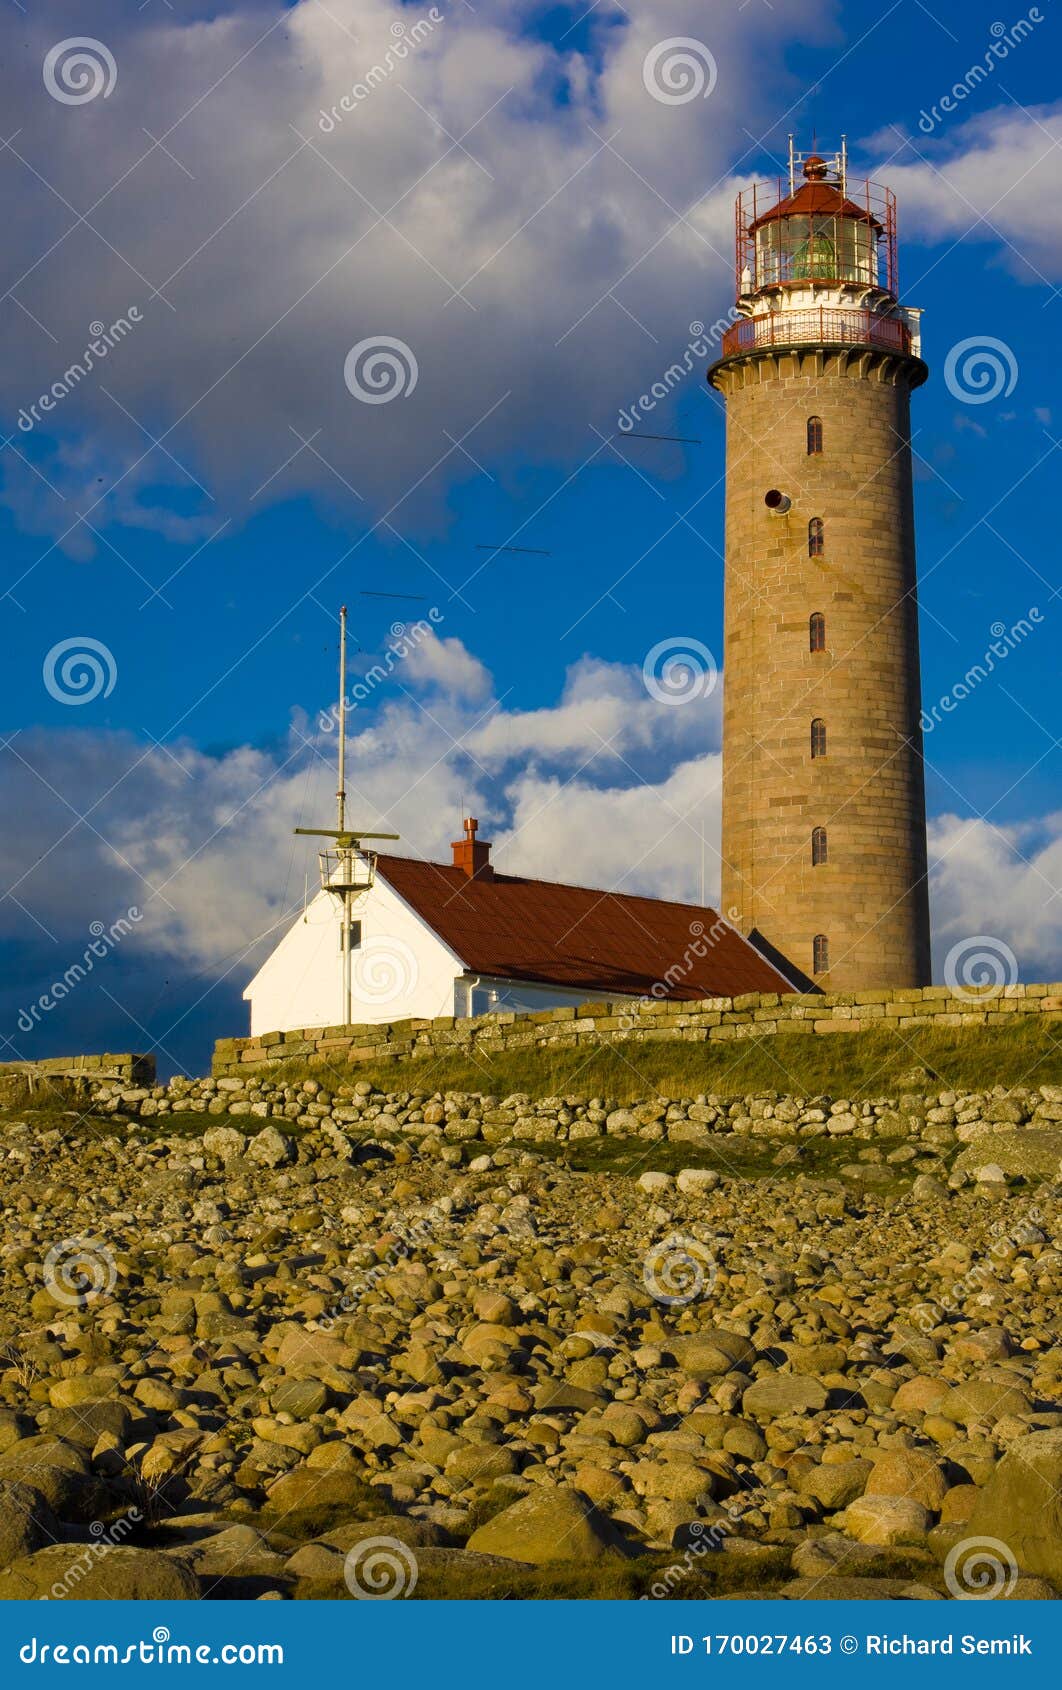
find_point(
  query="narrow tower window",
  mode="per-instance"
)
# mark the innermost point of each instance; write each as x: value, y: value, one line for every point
x: 818, y: 847
x: 816, y: 537
x: 817, y: 631
x: 814, y: 436
x: 821, y: 952
x: 818, y: 737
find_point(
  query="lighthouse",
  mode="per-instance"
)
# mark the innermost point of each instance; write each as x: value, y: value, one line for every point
x: 823, y: 828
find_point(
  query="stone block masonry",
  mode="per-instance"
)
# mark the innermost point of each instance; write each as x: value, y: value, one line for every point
x: 134, y: 1070
x: 861, y: 781
x: 753, y: 1015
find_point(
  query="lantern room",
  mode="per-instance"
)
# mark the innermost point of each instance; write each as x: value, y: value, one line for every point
x: 816, y: 230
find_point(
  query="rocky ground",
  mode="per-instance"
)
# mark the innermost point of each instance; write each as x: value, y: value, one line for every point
x: 355, y: 1348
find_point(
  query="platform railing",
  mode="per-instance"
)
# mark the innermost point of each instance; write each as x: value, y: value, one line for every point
x: 822, y: 325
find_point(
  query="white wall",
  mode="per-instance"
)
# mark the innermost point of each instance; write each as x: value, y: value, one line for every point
x: 400, y: 968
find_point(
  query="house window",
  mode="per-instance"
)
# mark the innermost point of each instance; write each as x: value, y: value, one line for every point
x: 818, y: 847
x: 817, y: 631
x: 814, y: 436
x: 818, y: 737
x: 354, y: 929
x: 820, y: 946
x: 816, y: 537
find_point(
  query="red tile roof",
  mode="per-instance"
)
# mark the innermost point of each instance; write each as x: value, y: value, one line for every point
x: 506, y: 927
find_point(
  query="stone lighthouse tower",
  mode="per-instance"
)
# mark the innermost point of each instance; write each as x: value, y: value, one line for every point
x: 824, y: 836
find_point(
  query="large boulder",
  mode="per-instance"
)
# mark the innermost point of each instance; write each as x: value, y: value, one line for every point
x: 710, y: 1354
x: 98, y: 1572
x: 59, y: 1471
x: 1021, y: 1505
x: 549, y: 1525
x: 1033, y: 1153
x: 835, y: 1484
x: 87, y: 1424
x: 983, y: 1400
x: 885, y: 1520
x: 271, y: 1148
x: 26, y: 1521
x: 908, y: 1472
x: 224, y: 1142
x: 778, y: 1394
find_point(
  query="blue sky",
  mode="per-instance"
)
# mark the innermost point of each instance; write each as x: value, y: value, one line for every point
x: 204, y: 499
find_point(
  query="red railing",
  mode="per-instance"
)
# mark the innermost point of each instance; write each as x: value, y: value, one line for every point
x: 873, y: 199
x: 823, y: 326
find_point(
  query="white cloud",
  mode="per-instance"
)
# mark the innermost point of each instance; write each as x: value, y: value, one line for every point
x: 533, y: 177
x: 997, y: 177
x: 447, y: 663
x: 605, y: 712
x: 652, y: 839
x: 1004, y: 881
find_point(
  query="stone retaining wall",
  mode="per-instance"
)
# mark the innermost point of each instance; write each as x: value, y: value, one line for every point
x: 351, y: 1113
x: 753, y: 1015
x: 134, y: 1070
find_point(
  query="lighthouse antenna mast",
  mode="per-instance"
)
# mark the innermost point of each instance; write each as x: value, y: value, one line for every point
x: 341, y: 790
x: 346, y: 870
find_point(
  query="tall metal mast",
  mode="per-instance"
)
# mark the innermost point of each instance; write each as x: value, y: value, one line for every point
x: 345, y: 870
x: 341, y: 792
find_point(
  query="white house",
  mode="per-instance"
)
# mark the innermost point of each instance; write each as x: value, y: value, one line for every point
x: 458, y: 938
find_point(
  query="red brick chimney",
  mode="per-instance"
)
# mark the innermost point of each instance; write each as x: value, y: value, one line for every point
x: 472, y: 854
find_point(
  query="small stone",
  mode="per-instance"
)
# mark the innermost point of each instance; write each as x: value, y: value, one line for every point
x: 696, y: 1181
x: 271, y: 1148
